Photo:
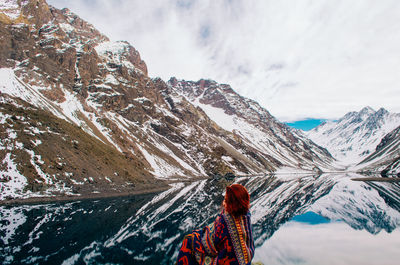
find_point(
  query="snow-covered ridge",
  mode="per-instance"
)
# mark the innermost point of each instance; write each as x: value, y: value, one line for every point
x: 356, y: 135
x: 246, y: 119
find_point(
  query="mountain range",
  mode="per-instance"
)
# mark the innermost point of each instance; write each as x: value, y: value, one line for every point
x: 79, y: 116
x: 57, y: 65
x: 367, y: 140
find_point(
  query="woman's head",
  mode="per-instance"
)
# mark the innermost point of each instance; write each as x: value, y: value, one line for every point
x: 237, y: 200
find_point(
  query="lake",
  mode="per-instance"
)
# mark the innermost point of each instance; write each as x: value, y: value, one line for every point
x: 326, y: 219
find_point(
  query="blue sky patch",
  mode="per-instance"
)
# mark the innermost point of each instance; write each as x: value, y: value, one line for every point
x: 307, y: 124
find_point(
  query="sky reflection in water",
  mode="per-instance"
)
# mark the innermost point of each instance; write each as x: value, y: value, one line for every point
x: 318, y: 241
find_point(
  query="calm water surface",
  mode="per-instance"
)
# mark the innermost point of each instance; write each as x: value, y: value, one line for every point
x: 327, y: 219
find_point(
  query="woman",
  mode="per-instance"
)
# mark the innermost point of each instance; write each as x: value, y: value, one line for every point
x: 228, y: 240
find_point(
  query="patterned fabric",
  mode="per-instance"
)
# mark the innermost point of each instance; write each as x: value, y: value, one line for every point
x: 228, y: 241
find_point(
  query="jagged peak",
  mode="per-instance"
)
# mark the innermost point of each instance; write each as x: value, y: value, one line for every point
x: 85, y: 29
x: 157, y: 79
x: 359, y: 116
x: 367, y: 110
x: 201, y: 84
x: 364, y: 113
x: 221, y: 96
x: 200, y: 81
x: 172, y: 80
x: 348, y: 115
x: 382, y: 111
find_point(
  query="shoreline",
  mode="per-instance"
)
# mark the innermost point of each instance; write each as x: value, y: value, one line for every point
x: 72, y: 198
x: 378, y: 179
x: 105, y: 195
x: 94, y: 196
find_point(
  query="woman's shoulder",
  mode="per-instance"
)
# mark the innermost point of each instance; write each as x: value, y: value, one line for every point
x: 225, y: 214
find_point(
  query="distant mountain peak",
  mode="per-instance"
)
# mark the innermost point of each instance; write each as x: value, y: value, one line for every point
x: 382, y: 111
x: 356, y: 134
x: 365, y: 113
x: 367, y: 109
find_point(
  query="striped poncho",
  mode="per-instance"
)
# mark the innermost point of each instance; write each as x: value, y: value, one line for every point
x: 228, y: 240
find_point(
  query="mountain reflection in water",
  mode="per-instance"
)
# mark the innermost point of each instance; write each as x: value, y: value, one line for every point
x: 306, y: 220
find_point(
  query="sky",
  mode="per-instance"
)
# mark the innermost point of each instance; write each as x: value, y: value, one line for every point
x: 304, y: 59
x: 306, y: 124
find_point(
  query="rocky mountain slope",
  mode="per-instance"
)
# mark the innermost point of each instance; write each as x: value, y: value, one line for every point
x: 386, y: 158
x: 43, y: 155
x: 356, y: 135
x: 247, y: 123
x: 53, y: 61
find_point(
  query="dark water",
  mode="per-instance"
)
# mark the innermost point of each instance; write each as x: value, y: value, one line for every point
x: 326, y: 219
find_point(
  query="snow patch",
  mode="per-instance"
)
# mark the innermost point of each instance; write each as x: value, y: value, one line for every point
x: 67, y: 27
x: 114, y: 52
x: 12, y: 182
x: 10, y: 8
x: 110, y: 79
x: 161, y: 168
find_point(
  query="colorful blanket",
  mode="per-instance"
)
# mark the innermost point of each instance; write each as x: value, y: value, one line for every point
x: 228, y: 240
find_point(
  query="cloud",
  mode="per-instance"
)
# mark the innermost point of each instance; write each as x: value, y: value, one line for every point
x: 298, y: 59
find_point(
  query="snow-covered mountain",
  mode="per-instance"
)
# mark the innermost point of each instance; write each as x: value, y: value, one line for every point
x: 386, y: 158
x: 248, y: 123
x: 356, y: 135
x: 55, y: 66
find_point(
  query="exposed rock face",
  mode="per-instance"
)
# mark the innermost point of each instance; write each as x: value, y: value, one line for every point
x: 63, y: 65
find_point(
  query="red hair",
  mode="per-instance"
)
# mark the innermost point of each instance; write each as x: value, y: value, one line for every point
x: 237, y: 200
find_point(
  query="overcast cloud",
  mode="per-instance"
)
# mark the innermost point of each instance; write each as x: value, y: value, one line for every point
x: 298, y: 59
